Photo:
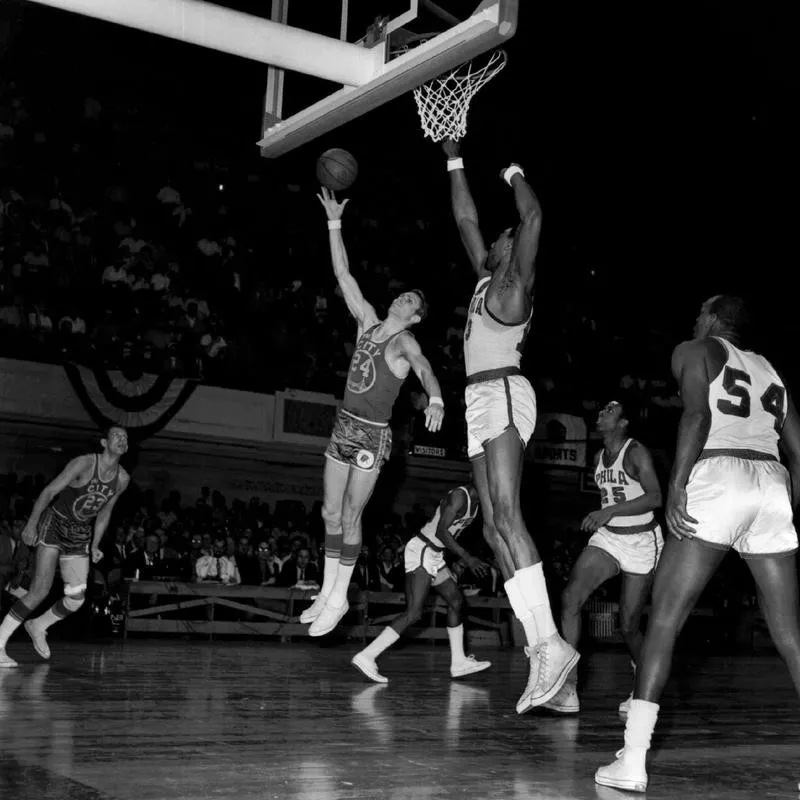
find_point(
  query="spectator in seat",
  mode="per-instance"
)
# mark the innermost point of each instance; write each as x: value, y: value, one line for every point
x: 390, y: 572
x: 218, y: 566
x: 147, y: 561
x: 366, y: 574
x: 247, y: 562
x: 299, y: 569
x: 114, y: 557
x: 267, y: 566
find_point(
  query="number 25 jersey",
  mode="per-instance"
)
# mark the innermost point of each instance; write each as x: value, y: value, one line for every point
x: 748, y: 404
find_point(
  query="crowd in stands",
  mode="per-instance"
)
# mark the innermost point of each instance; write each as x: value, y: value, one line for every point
x: 209, y: 539
x: 113, y: 254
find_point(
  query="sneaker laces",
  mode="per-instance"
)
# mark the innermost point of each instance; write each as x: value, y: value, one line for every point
x: 543, y: 657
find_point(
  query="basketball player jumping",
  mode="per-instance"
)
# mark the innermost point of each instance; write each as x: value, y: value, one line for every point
x: 625, y: 538
x: 425, y: 567
x: 361, y: 442
x: 501, y: 415
x: 67, y: 524
x: 727, y: 489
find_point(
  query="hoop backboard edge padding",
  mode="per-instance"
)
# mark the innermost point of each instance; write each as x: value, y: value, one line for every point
x: 490, y: 26
x: 229, y: 31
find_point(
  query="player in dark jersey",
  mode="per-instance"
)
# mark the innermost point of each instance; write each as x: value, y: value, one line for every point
x: 501, y: 414
x: 426, y: 568
x: 66, y: 525
x: 385, y: 353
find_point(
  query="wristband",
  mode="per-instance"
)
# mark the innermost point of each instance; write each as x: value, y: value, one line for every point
x: 334, y: 224
x: 435, y: 401
x: 511, y: 172
x: 455, y: 163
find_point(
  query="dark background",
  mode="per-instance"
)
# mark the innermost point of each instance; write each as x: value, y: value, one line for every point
x: 662, y: 141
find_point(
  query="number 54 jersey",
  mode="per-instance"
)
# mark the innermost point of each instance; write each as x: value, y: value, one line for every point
x: 738, y: 491
x: 748, y: 404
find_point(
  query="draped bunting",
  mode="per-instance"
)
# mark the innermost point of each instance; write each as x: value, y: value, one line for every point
x: 143, y: 406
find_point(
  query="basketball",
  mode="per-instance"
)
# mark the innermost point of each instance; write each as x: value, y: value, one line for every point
x: 336, y: 169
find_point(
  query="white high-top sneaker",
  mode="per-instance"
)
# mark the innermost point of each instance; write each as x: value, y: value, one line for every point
x: 552, y: 660
x: 627, y: 772
x: 566, y: 701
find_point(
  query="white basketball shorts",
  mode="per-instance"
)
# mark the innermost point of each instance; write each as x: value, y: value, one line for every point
x: 419, y: 553
x: 497, y: 405
x: 744, y: 504
x: 635, y: 553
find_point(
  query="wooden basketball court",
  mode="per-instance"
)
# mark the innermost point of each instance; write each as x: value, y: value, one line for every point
x: 168, y: 720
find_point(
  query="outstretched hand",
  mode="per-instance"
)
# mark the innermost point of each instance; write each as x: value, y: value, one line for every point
x: 333, y: 208
x: 434, y: 416
x: 477, y: 567
x: 452, y: 149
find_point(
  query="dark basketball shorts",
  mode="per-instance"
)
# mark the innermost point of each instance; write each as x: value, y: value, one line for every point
x: 358, y: 443
x: 71, y: 538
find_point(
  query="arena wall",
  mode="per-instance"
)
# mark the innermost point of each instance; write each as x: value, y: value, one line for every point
x: 244, y: 444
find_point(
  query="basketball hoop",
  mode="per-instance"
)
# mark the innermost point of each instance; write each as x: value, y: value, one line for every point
x: 443, y: 103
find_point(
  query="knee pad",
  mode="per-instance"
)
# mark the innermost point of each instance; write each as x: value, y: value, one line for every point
x: 74, y: 596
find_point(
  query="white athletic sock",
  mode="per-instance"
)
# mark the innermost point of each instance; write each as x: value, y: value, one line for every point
x: 330, y: 571
x: 533, y: 588
x: 383, y: 641
x: 338, y: 593
x: 9, y: 624
x: 521, y: 611
x: 640, y: 725
x: 456, y: 636
x: 47, y: 619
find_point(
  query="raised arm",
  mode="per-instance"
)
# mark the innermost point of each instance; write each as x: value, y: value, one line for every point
x: 72, y: 471
x: 361, y: 310
x: 464, y: 211
x: 451, y: 508
x: 690, y: 370
x: 409, y: 349
x: 526, y: 237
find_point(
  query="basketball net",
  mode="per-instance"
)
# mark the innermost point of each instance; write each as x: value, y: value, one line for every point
x: 443, y: 103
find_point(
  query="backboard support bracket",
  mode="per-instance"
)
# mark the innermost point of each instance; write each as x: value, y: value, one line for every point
x: 273, y: 97
x: 490, y: 26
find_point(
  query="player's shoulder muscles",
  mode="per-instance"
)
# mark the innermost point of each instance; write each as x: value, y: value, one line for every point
x: 405, y: 345
x: 124, y: 478
x: 637, y: 458
x: 458, y: 498
x: 74, y: 470
x: 690, y: 366
x: 450, y: 507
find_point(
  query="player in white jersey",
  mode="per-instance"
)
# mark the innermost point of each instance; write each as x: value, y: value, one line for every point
x: 501, y: 414
x: 425, y: 567
x: 728, y: 489
x: 625, y: 538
